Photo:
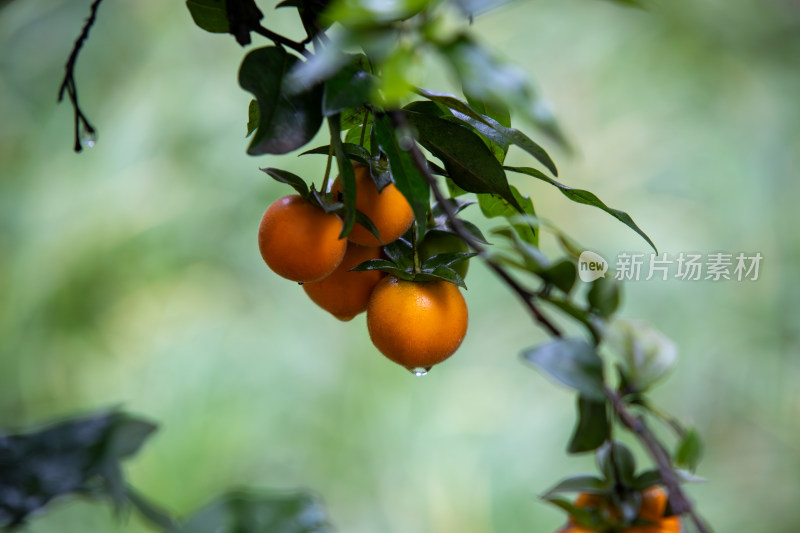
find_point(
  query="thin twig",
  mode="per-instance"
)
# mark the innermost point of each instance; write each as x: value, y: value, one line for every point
x: 69, y: 86
x: 277, y: 38
x: 679, y: 501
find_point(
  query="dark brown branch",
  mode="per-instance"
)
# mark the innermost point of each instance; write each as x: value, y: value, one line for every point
x: 678, y: 500
x: 69, y: 86
x: 277, y: 38
x: 525, y: 295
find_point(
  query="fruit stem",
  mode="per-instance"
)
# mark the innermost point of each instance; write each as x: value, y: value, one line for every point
x: 417, y: 269
x: 326, y: 179
x: 364, y: 127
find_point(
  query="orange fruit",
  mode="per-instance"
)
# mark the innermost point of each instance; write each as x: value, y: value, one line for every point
x: 345, y: 294
x: 416, y: 324
x: 388, y: 210
x: 654, y: 503
x: 299, y: 241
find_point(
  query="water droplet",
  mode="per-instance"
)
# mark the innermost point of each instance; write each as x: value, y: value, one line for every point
x: 420, y: 371
x: 88, y: 138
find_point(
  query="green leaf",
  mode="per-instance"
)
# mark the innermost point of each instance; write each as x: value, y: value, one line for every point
x: 500, y: 113
x: 492, y: 129
x: 441, y: 273
x: 604, y: 296
x: 346, y: 176
x: 469, y: 163
x: 350, y: 87
x: 617, y: 463
x: 690, y: 450
x: 495, y: 206
x: 585, y: 197
x: 587, y: 517
x: 285, y: 122
x: 592, y: 428
x: 253, y: 512
x: 646, y: 479
x: 283, y: 176
x: 365, y: 221
x: 562, y: 274
x: 407, y: 177
x: 446, y: 259
x: 499, y: 84
x: 384, y: 266
x: 584, y: 483
x: 352, y: 151
x: 209, y: 15
x: 572, y: 362
x: 401, y: 252
x: 68, y: 457
x: 253, y: 117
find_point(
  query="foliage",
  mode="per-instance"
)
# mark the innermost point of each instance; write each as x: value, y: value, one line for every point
x: 359, y: 80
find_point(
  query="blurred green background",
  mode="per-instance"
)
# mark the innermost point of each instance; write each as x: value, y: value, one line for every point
x: 129, y: 274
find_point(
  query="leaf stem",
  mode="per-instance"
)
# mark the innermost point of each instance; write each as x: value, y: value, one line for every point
x: 415, y: 249
x: 328, y: 165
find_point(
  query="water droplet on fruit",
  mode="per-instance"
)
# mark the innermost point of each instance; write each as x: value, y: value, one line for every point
x: 420, y: 371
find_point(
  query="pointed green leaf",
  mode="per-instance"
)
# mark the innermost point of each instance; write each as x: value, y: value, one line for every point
x: 285, y: 122
x: 572, y: 362
x: 352, y: 86
x: 253, y: 117
x: 495, y: 206
x: 283, y: 176
x: 585, y: 197
x: 469, y: 163
x: 604, y: 296
x: 209, y: 15
x: 492, y: 129
x: 592, y: 428
x: 690, y: 450
x: 583, y: 483
x: 352, y: 151
x: 346, y: 176
x: 619, y: 465
x: 407, y: 177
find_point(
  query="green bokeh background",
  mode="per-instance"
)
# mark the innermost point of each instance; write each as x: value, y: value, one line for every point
x: 129, y: 274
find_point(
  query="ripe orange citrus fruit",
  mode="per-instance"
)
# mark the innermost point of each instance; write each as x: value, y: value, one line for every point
x: 300, y: 241
x: 345, y: 294
x: 654, y: 503
x: 416, y: 324
x: 438, y: 242
x: 388, y: 210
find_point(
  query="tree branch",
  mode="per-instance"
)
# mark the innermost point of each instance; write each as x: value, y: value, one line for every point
x: 527, y: 297
x: 678, y: 500
x: 277, y: 38
x: 69, y: 86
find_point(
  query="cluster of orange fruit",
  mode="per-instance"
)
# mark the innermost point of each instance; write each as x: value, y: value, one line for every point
x: 416, y: 324
x: 654, y: 504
